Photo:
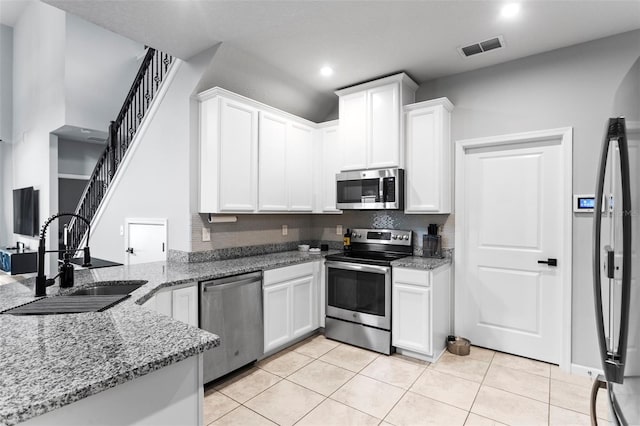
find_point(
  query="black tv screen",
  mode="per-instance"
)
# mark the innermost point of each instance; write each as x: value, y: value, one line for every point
x: 25, y: 211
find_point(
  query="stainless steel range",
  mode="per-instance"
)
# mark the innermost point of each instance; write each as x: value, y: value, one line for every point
x: 358, y: 286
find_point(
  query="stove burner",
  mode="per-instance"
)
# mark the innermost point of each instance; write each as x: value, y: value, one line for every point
x: 367, y: 257
x: 376, y: 247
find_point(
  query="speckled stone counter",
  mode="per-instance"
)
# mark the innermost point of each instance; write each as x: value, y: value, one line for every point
x: 48, y: 361
x: 416, y: 262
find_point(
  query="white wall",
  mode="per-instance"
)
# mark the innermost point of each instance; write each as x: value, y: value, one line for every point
x: 78, y: 158
x: 6, y: 130
x: 6, y: 82
x: 6, y: 200
x: 156, y: 182
x: 99, y: 69
x: 38, y: 101
x: 574, y: 86
x: 239, y: 72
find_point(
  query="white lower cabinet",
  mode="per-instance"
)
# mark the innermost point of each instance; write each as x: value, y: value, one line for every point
x: 180, y: 303
x: 421, y: 303
x: 277, y: 315
x: 184, y: 303
x: 290, y: 304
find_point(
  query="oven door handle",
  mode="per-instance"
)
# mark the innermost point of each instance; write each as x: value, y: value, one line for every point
x: 358, y: 267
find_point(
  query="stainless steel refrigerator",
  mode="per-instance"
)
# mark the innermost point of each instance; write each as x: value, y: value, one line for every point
x: 616, y: 271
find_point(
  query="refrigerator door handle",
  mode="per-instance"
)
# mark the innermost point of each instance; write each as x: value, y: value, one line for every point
x: 623, y: 148
x: 613, y: 361
x: 597, y: 224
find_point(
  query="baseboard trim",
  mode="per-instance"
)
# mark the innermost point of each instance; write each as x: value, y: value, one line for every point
x: 581, y: 370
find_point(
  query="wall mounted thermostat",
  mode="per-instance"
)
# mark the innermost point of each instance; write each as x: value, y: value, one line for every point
x: 585, y: 203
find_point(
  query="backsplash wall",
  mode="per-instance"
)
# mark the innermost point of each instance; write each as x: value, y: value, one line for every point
x: 260, y: 229
x: 250, y: 230
x: 324, y: 226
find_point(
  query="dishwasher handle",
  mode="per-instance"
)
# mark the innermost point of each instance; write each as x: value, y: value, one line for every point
x: 226, y: 282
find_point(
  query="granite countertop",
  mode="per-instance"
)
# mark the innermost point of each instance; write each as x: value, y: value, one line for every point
x: 426, y: 263
x: 48, y: 361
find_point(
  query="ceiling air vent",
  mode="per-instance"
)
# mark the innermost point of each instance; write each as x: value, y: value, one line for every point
x: 481, y: 47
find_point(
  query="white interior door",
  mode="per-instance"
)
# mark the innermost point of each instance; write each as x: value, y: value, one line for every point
x: 146, y: 241
x: 514, y: 215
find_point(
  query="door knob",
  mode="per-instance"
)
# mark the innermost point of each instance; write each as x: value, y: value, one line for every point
x: 550, y: 262
x: 129, y: 250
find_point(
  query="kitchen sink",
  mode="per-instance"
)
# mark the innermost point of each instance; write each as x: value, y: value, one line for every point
x: 67, y: 305
x: 108, y: 288
x: 97, y: 297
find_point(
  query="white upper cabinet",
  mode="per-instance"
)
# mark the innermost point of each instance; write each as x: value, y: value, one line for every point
x: 254, y: 158
x: 300, y: 165
x: 371, y: 130
x: 329, y: 154
x: 428, y: 157
x: 384, y: 145
x: 285, y: 178
x: 228, y: 156
x: 353, y: 131
x: 272, y: 173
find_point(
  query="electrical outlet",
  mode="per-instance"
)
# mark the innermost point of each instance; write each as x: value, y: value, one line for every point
x: 285, y: 229
x: 206, y: 234
x: 338, y: 229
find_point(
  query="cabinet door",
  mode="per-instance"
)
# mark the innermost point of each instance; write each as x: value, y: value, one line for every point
x: 411, y: 328
x: 238, y: 157
x: 424, y: 161
x: 303, y: 293
x: 272, y: 179
x: 331, y: 162
x: 383, y: 106
x: 300, y: 167
x: 164, y: 302
x: 353, y: 131
x: 185, y: 305
x: 277, y: 315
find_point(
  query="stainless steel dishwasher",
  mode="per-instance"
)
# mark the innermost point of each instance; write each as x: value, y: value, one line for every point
x: 231, y: 307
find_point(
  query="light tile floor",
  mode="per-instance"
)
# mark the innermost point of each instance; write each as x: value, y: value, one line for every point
x: 323, y: 382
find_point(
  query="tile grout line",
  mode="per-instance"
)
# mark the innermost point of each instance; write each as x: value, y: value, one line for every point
x: 479, y: 388
x: 384, y: 419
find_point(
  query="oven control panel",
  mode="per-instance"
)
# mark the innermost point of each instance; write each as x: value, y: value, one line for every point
x: 381, y: 236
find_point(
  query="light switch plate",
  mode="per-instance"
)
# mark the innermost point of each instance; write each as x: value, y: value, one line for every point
x: 285, y: 229
x: 206, y: 234
x: 338, y: 229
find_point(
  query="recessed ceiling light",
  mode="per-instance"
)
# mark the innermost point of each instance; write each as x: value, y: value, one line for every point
x: 326, y: 71
x: 510, y: 10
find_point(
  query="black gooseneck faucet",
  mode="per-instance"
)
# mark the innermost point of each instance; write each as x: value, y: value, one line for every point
x: 66, y: 269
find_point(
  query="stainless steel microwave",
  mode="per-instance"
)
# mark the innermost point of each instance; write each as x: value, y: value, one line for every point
x: 375, y: 189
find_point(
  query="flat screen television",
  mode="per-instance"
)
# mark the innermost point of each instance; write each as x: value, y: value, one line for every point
x: 25, y: 211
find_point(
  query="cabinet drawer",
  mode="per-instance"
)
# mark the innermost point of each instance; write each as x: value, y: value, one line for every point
x: 411, y: 276
x: 273, y: 276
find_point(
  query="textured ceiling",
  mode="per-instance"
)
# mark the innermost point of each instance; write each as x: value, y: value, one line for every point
x: 360, y: 39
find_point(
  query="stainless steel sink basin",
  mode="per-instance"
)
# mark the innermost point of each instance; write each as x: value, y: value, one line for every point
x: 109, y: 288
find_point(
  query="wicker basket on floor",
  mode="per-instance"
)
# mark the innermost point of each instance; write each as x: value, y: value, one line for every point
x: 458, y: 345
